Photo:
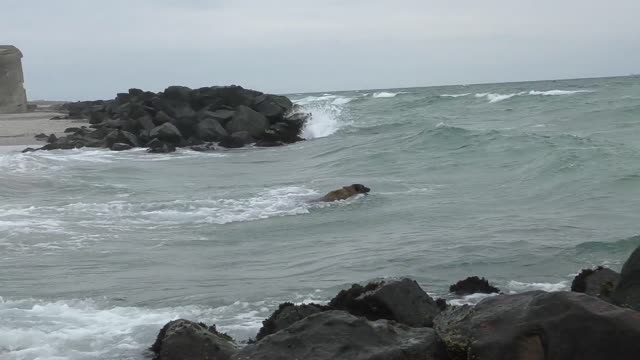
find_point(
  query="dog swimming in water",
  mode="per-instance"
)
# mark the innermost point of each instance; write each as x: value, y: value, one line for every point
x: 344, y: 193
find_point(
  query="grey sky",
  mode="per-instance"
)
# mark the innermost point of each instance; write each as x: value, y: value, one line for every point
x: 86, y: 49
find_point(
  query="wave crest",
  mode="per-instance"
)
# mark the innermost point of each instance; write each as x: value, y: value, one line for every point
x: 387, y: 94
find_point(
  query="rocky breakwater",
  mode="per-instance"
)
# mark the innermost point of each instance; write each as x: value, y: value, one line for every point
x: 226, y: 116
x: 398, y: 320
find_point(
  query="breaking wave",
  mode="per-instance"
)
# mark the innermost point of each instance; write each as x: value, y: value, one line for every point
x: 495, y: 97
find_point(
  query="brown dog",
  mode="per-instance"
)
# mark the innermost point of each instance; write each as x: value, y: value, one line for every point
x: 345, y: 193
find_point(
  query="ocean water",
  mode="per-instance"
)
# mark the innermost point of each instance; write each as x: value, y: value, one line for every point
x: 523, y: 183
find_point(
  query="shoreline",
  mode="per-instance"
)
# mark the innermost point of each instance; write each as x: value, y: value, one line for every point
x: 20, y: 129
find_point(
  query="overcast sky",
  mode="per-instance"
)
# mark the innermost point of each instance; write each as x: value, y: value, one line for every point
x: 87, y: 49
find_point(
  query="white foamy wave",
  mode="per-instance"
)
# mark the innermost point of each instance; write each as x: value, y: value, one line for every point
x: 276, y: 202
x: 558, y: 92
x: 472, y: 299
x: 323, y: 122
x: 85, y: 329
x: 514, y: 287
x: 36, y: 163
x: 495, y: 97
x: 97, y: 329
x: 30, y: 226
x: 314, y: 99
x: 455, y: 95
x: 385, y: 94
x: 342, y: 101
x: 326, y: 114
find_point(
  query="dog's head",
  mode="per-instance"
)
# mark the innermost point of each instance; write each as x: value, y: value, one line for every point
x: 360, y: 189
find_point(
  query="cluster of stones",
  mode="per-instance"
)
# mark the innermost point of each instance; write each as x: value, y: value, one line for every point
x: 398, y: 320
x: 227, y: 116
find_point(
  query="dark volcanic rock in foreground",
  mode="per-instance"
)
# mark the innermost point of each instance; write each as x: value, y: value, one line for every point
x: 627, y: 293
x: 338, y: 335
x: 540, y: 325
x: 401, y: 300
x: 181, y: 117
x: 286, y: 315
x: 473, y: 285
x: 598, y: 282
x: 186, y: 340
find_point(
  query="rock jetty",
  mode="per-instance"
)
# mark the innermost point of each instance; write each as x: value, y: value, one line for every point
x: 226, y: 116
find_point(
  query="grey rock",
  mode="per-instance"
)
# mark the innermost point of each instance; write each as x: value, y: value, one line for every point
x: 246, y: 119
x: 52, y: 138
x: 161, y: 118
x: 166, y: 132
x: 337, y: 335
x: 186, y: 340
x: 286, y: 315
x: 540, y: 325
x: 121, y: 147
x: 627, y: 293
x: 598, y: 282
x: 473, y: 285
x: 269, y: 143
x: 222, y: 116
x: 274, y: 107
x: 237, y: 140
x: 210, y: 129
x: 146, y: 122
x: 401, y: 300
x: 120, y: 136
x: 179, y: 94
x: 98, y: 117
x: 157, y: 146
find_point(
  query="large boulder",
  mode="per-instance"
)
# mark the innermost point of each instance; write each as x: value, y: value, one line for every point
x: 237, y: 140
x: 145, y: 122
x: 166, y: 132
x: 246, y: 119
x: 157, y: 146
x: 473, y: 285
x: 177, y: 94
x: 162, y: 117
x: 121, y: 147
x: 274, y: 107
x: 627, y: 293
x: 598, y: 282
x: 401, y: 300
x: 538, y: 325
x: 231, y: 96
x: 209, y: 129
x: 337, y: 335
x: 286, y: 315
x: 222, y: 116
x: 120, y: 136
x: 186, y: 340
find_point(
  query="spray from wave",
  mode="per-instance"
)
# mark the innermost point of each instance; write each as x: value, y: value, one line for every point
x: 326, y: 114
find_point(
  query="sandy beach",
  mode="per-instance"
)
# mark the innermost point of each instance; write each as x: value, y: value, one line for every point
x: 20, y: 129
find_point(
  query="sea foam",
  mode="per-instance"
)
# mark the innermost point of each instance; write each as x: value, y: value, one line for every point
x: 496, y: 97
x: 386, y: 94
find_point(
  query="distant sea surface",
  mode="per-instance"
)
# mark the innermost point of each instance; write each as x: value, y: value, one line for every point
x: 522, y: 183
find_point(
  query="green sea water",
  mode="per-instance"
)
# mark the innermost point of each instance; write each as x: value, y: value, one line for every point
x: 523, y: 183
